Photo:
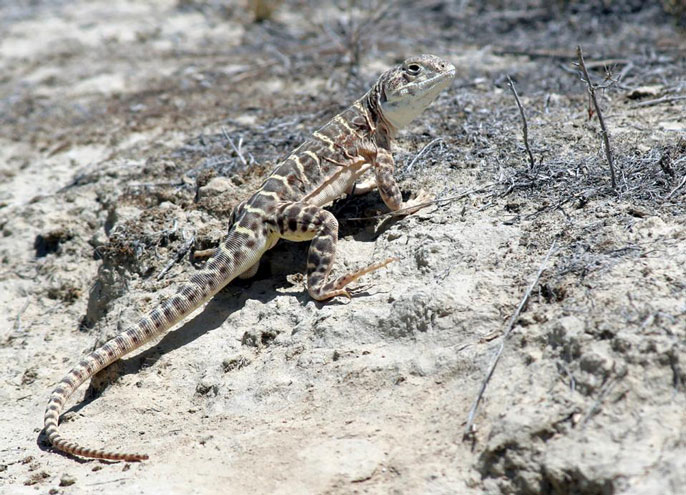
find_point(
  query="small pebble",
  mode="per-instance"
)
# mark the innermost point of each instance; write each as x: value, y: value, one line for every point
x: 67, y: 480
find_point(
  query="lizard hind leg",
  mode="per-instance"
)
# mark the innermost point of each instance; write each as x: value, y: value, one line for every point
x: 300, y: 222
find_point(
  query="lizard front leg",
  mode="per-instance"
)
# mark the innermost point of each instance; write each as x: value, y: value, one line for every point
x: 362, y: 187
x: 384, y: 166
x: 301, y: 222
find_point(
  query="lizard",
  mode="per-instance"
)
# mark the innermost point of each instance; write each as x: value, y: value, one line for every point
x: 288, y: 205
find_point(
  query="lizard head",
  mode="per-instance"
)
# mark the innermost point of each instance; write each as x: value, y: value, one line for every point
x: 406, y: 90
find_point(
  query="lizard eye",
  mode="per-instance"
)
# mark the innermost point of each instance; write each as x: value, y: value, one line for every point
x: 413, y: 69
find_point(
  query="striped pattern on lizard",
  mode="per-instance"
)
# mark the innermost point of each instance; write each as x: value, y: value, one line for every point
x: 288, y: 205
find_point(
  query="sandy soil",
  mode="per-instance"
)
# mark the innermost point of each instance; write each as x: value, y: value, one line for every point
x: 114, y: 150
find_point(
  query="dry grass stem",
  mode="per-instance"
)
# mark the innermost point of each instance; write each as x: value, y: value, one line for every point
x: 496, y: 357
x: 421, y: 152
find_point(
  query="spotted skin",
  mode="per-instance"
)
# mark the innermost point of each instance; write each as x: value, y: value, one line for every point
x: 288, y: 205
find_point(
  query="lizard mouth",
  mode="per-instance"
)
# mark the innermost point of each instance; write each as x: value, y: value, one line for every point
x: 437, y: 82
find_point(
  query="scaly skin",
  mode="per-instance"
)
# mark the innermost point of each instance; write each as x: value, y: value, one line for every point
x: 288, y: 205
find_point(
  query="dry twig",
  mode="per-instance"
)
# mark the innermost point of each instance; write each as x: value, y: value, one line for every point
x: 532, y: 164
x: 179, y: 255
x: 17, y: 321
x: 657, y: 101
x: 679, y: 186
x: 413, y: 208
x: 421, y: 152
x: 496, y: 357
x: 237, y: 150
x: 606, y: 138
x: 604, y: 391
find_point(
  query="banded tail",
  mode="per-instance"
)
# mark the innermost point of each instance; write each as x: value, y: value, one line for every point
x: 232, y: 259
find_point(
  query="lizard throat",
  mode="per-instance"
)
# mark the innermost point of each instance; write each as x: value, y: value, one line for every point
x: 405, y: 107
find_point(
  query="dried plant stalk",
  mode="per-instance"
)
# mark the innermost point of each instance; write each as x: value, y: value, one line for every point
x: 525, y: 127
x: 603, y: 129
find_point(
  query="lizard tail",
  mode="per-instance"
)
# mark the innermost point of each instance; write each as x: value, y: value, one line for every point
x: 219, y: 271
x: 86, y: 368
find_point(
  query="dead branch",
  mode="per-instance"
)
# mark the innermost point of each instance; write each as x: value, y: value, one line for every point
x: 413, y: 208
x: 472, y: 412
x: 606, y: 138
x: 658, y: 101
x: 179, y: 255
x: 532, y: 163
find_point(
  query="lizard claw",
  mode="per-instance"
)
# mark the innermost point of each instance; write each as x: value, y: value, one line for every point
x: 358, y: 289
x: 345, y: 293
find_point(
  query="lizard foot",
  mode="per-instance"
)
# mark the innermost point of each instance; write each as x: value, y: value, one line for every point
x: 421, y: 199
x: 336, y: 288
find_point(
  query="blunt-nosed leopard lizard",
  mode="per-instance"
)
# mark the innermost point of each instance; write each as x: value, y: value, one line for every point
x: 288, y: 205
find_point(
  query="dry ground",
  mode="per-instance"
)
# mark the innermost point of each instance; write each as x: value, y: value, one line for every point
x: 115, y: 122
